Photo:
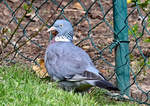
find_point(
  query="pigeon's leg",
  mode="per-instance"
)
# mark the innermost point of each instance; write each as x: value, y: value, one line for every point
x: 76, y: 86
x: 91, y: 90
x: 68, y: 86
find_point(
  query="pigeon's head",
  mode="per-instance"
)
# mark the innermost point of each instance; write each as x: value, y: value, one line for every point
x: 62, y: 30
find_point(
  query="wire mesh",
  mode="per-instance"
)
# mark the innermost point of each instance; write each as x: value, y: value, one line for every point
x: 23, y: 35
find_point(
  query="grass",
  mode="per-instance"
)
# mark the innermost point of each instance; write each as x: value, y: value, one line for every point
x: 21, y: 87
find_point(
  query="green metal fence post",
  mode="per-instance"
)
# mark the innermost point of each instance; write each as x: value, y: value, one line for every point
x: 122, y: 49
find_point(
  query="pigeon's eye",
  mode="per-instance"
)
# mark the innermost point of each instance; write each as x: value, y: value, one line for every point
x: 61, y: 25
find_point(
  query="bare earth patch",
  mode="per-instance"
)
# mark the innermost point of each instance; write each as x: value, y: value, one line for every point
x: 102, y: 36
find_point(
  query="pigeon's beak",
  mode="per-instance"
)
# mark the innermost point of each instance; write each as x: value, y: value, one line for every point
x: 53, y: 30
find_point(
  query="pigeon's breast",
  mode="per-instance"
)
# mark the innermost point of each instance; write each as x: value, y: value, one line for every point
x: 67, y: 59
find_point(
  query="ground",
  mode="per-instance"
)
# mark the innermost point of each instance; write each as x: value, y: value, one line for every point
x: 101, y: 35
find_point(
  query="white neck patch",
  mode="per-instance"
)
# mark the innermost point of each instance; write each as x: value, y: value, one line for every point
x: 62, y: 39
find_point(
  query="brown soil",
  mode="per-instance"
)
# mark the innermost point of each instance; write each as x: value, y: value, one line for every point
x: 101, y: 35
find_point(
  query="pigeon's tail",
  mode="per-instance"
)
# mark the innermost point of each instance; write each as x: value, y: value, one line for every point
x: 106, y: 85
x: 103, y: 84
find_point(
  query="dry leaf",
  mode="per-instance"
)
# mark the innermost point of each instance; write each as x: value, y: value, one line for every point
x: 103, y: 71
x: 86, y: 47
x: 129, y: 1
x: 6, y: 12
x: 78, y: 6
x: 32, y: 15
x: 35, y: 28
x: 40, y: 71
x: 126, y: 97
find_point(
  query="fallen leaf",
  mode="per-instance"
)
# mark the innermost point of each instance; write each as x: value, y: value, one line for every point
x: 129, y: 1
x: 40, y: 70
x: 103, y: 71
x: 85, y: 47
x: 33, y: 28
x: 6, y: 12
x: 126, y: 97
x: 32, y: 16
x: 78, y: 6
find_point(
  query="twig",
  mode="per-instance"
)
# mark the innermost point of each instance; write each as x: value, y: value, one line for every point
x: 12, y: 35
x: 35, y: 34
x: 75, y: 10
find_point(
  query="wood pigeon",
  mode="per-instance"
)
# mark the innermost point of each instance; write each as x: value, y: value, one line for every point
x: 70, y: 65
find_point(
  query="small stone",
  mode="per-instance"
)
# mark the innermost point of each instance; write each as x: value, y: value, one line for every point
x: 6, y: 12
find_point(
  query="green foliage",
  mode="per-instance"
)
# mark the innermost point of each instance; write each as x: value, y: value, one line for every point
x: 147, y: 40
x: 139, y: 62
x: 148, y: 62
x: 27, y: 8
x: 134, y: 30
x: 148, y: 21
x: 131, y: 57
x: 21, y: 87
x: 143, y: 4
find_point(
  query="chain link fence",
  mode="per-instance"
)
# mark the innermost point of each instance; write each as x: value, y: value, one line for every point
x: 23, y: 36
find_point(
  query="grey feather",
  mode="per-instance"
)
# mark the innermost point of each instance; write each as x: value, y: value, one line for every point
x: 66, y: 59
x: 71, y: 66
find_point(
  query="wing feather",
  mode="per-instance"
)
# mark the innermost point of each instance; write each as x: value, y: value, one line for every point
x: 64, y: 60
